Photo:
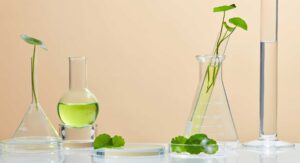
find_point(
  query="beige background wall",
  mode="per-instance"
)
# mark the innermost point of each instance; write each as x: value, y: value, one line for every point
x: 141, y: 62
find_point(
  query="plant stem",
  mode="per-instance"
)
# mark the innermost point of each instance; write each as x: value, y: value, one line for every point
x: 221, y: 31
x: 33, y: 77
x: 225, y: 37
x: 216, y: 52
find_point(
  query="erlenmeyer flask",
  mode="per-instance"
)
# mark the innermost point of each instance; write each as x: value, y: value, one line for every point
x: 211, y: 113
x: 35, y: 132
x: 78, y: 107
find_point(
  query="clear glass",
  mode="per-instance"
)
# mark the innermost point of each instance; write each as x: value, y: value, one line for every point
x: 131, y: 150
x: 35, y: 132
x: 78, y: 107
x: 268, y: 78
x: 211, y: 111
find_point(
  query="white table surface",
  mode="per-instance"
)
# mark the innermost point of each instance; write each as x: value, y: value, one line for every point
x: 86, y: 156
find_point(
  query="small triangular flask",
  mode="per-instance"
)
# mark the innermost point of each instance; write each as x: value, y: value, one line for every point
x: 211, y: 113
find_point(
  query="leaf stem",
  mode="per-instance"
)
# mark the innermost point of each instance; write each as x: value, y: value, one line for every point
x: 221, y: 31
x: 216, y: 52
x: 225, y: 37
x: 33, y: 77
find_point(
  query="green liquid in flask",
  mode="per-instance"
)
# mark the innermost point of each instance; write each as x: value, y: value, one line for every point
x: 78, y: 115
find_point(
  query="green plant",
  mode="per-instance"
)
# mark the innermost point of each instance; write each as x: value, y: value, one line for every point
x: 195, y: 144
x: 225, y: 32
x: 177, y: 144
x: 228, y: 27
x: 106, y: 141
x: 35, y: 42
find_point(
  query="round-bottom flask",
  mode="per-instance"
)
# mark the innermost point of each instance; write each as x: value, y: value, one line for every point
x: 78, y: 108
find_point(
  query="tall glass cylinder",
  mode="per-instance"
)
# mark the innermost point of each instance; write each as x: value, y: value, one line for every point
x: 268, y: 77
x: 268, y: 69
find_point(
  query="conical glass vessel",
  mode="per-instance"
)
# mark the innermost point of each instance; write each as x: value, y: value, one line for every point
x: 211, y: 113
x: 35, y: 132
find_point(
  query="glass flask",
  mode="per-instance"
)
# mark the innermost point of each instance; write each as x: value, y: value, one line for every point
x: 78, y: 108
x: 35, y: 132
x: 211, y: 113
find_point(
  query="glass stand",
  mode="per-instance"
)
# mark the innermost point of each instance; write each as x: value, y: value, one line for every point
x: 78, y: 137
x: 267, y: 143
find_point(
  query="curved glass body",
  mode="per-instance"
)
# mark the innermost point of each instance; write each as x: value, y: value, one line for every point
x: 78, y: 107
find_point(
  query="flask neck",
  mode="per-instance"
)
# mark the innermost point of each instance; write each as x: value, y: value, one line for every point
x: 210, y: 66
x: 77, y: 73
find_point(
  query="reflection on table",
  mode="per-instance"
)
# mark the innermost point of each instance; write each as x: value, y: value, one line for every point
x: 87, y: 156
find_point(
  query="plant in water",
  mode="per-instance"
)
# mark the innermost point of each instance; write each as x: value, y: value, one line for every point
x: 227, y: 28
x: 223, y: 36
x: 35, y: 42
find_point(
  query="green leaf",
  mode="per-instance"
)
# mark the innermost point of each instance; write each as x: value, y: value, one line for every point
x: 211, y: 147
x: 177, y: 144
x: 196, y: 143
x: 103, y: 141
x: 224, y: 8
x: 230, y: 29
x: 239, y: 22
x: 34, y: 41
x: 118, y: 141
x: 196, y: 139
x: 179, y: 140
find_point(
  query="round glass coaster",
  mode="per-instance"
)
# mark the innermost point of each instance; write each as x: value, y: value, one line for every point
x: 131, y: 150
x: 77, y: 137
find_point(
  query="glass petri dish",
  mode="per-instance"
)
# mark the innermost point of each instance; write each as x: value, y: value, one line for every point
x: 131, y: 150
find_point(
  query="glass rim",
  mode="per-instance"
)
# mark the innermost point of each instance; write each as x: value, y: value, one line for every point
x: 77, y: 58
x: 210, y: 57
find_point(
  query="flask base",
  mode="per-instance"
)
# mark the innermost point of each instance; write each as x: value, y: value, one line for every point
x: 77, y: 137
x: 267, y: 142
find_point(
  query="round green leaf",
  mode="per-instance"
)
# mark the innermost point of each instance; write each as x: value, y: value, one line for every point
x: 33, y: 41
x: 211, y: 149
x: 195, y: 143
x: 177, y: 144
x: 196, y: 139
x: 224, y: 8
x: 239, y: 22
x: 118, y: 141
x: 102, y: 141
